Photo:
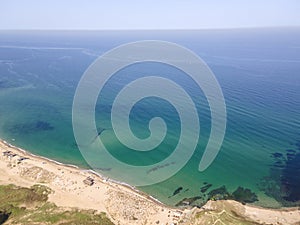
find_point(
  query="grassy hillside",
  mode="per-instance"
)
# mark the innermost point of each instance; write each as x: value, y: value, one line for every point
x: 29, y: 206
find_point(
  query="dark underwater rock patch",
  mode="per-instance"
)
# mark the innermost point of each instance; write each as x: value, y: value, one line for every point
x: 177, y: 191
x: 244, y: 195
x: 189, y: 201
x: 27, y: 128
x: 277, y: 155
x: 283, y: 183
x: 41, y: 125
x: 204, y: 188
x: 291, y: 151
x: 291, y: 178
x: 220, y: 193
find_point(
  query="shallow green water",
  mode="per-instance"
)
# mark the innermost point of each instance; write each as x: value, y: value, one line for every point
x: 259, y: 79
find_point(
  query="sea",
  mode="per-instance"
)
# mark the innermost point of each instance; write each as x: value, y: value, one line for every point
x: 258, y: 70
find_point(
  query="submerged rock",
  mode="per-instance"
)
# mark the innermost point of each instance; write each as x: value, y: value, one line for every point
x: 244, y: 195
x: 205, y: 188
x: 277, y: 155
x: 42, y: 125
x: 186, y: 190
x: 27, y: 128
x: 177, y: 191
x: 190, y: 202
x: 291, y: 151
x: 291, y: 178
x: 220, y: 193
x: 283, y: 183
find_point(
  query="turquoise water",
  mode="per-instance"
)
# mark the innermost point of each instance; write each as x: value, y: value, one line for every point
x: 258, y: 71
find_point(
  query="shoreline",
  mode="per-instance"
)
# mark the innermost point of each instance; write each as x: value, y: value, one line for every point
x: 107, y: 179
x: 90, y: 171
x: 123, y: 203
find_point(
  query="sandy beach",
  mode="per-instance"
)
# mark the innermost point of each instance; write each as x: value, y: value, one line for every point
x: 122, y: 204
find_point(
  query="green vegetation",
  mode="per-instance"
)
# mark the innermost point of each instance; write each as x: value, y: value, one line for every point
x: 28, y: 206
x: 221, y: 217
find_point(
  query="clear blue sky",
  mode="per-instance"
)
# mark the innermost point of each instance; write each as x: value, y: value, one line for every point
x: 155, y: 14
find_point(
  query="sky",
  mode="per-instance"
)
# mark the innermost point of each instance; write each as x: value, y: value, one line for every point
x: 145, y: 14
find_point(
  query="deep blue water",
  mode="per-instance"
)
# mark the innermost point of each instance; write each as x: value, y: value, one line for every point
x: 257, y: 69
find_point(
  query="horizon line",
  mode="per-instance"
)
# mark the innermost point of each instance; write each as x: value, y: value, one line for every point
x: 152, y: 29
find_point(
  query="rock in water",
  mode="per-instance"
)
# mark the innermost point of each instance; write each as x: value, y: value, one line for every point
x: 205, y: 188
x: 220, y: 193
x: 177, y: 191
x: 244, y: 195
